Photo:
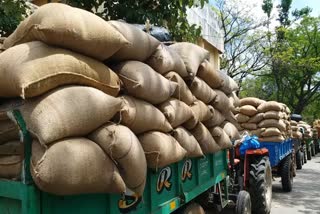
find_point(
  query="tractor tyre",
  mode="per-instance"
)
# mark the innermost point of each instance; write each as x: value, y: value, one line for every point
x: 243, y: 205
x: 309, y: 152
x: 304, y: 154
x: 313, y: 152
x: 287, y: 174
x: 260, y: 185
x: 299, y: 160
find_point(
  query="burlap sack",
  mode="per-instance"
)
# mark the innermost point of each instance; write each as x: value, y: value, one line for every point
x: 202, y: 91
x: 215, y: 120
x: 228, y: 84
x: 67, y: 112
x: 273, y: 115
x: 182, y: 92
x: 248, y: 110
x: 8, y: 131
x: 257, y: 132
x: 221, y: 102
x: 11, y: 157
x: 294, y: 128
x: 70, y: 28
x: 161, y: 149
x: 188, y: 142
x: 241, y: 118
x: 74, y: 166
x: 141, y: 46
x: 253, y: 101
x: 207, y: 73
x: 270, y: 106
x: 272, y: 131
x: 141, y: 116
x: 249, y: 126
x: 176, y: 112
x: 205, y: 139
x: 141, y: 81
x: 272, y: 139
x: 297, y: 135
x: 31, y: 69
x: 221, y: 137
x: 165, y: 59
x: 123, y: 147
x: 256, y: 118
x: 231, y: 130
x: 234, y: 100
x: 268, y: 123
x: 194, y: 208
x: 201, y: 112
x: 191, y: 54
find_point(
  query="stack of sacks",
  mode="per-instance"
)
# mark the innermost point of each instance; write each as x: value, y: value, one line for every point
x: 296, y: 134
x: 316, y: 125
x: 307, y: 129
x: 314, y: 133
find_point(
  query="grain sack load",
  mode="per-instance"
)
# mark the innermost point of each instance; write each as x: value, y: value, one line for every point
x: 74, y: 166
x: 176, y: 112
x: 205, y: 139
x: 141, y: 116
x: 202, y: 91
x: 207, y: 73
x: 164, y: 59
x: 216, y: 119
x: 256, y: 118
x: 268, y: 123
x: 241, y: 118
x: 8, y: 131
x: 201, y: 112
x: 161, y: 149
x: 234, y: 101
x: 141, y: 81
x: 141, y: 45
x: 191, y: 54
x: 274, y: 115
x: 271, y: 131
x: 188, y: 142
x: 253, y: 101
x: 182, y: 91
x: 270, y: 106
x: 123, y: 147
x: 31, y: 69
x: 248, y: 110
x: 249, y: 126
x: 228, y: 84
x: 11, y: 158
x: 221, y: 137
x: 68, y: 112
x: 231, y: 130
x: 71, y: 28
x: 221, y: 102
x: 278, y: 138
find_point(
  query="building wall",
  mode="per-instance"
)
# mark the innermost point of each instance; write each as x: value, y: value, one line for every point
x: 214, y: 52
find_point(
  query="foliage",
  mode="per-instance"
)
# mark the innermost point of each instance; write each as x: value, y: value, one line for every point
x: 168, y: 13
x: 267, y: 7
x: 284, y: 8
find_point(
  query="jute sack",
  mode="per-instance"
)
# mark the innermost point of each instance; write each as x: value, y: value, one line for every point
x: 249, y: 126
x: 194, y: 208
x: 294, y: 128
x: 234, y: 100
x: 248, y: 110
x: 11, y: 157
x: 273, y: 115
x: 182, y: 92
x: 165, y: 59
x: 123, y: 147
x: 74, y: 166
x: 268, y: 123
x: 205, y: 139
x: 297, y: 135
x: 176, y: 112
x: 257, y: 132
x: 201, y: 112
x: 31, y: 69
x: 141, y: 116
x: 141, y: 46
x: 228, y: 84
x: 141, y: 81
x: 67, y: 112
x: 191, y: 54
x: 241, y: 118
x: 221, y: 102
x: 70, y: 28
x: 202, y: 91
x: 8, y: 131
x: 221, y: 137
x: 231, y: 130
x: 161, y: 149
x: 188, y: 142
x: 215, y: 120
x: 272, y: 139
x: 253, y: 101
x: 272, y: 131
x: 207, y: 73
x: 256, y: 118
x: 270, y: 106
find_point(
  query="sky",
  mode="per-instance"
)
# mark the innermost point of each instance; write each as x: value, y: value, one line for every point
x: 314, y: 4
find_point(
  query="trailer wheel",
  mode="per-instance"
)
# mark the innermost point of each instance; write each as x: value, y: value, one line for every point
x: 243, y: 205
x: 299, y: 160
x: 260, y: 185
x: 317, y: 147
x: 309, y: 153
x: 313, y: 153
x: 193, y: 208
x: 304, y: 154
x: 287, y: 174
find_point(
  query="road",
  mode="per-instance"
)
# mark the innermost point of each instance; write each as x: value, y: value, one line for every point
x: 305, y: 196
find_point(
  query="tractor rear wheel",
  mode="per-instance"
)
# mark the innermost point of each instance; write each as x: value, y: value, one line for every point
x: 243, y: 205
x: 287, y: 174
x: 313, y: 152
x: 299, y: 160
x: 304, y: 153
x: 309, y: 152
x: 260, y: 185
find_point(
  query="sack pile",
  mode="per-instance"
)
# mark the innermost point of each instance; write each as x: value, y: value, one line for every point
x: 307, y: 129
x: 296, y: 133
x: 316, y: 125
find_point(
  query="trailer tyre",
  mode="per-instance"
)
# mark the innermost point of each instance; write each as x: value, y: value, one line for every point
x: 287, y: 174
x: 243, y: 205
x: 304, y: 154
x: 309, y: 153
x: 299, y: 160
x: 260, y: 185
x: 313, y: 153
